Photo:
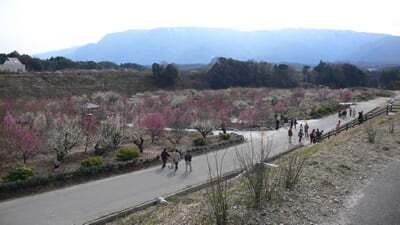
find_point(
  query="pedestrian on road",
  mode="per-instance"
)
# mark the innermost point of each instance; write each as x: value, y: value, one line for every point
x: 301, y: 126
x: 164, y: 157
x: 360, y: 117
x: 306, y: 130
x: 350, y: 112
x: 338, y: 125
x: 291, y: 123
x: 300, y: 134
x: 277, y: 124
x: 312, y: 137
x: 188, y: 161
x: 290, y: 134
x: 176, y: 157
x: 317, y: 135
x: 295, y: 123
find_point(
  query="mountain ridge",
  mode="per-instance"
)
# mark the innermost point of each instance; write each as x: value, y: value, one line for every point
x: 191, y: 45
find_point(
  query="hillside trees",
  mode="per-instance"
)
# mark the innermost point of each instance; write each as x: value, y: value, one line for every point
x: 165, y: 76
x: 339, y: 75
x: 227, y: 73
x: 390, y: 79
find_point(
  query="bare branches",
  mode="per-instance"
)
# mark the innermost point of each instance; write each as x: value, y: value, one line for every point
x: 293, y: 169
x: 251, y: 162
x: 217, y: 192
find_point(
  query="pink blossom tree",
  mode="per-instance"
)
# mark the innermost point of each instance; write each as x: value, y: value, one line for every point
x: 154, y: 124
x: 249, y: 117
x: 89, y: 127
x: 346, y: 95
x: 24, y: 142
x: 178, y: 119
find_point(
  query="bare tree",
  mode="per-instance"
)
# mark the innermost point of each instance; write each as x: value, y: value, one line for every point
x: 217, y: 193
x: 67, y: 135
x: 204, y: 127
x: 111, y: 133
x: 251, y: 162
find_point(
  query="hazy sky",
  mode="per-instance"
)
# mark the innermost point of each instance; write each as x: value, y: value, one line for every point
x: 33, y: 26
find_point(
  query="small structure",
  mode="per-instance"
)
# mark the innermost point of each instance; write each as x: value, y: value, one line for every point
x: 90, y: 108
x: 12, y: 65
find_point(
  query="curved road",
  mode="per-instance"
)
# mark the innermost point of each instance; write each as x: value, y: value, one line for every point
x: 80, y: 203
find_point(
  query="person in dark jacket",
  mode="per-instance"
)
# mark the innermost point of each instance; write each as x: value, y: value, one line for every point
x: 290, y: 134
x: 164, y: 157
x: 312, y: 137
x: 188, y: 161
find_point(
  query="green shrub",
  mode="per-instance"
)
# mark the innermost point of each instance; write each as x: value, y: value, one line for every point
x: 20, y: 172
x: 125, y: 154
x: 199, y: 142
x: 92, y: 162
x: 324, y: 110
x: 225, y: 136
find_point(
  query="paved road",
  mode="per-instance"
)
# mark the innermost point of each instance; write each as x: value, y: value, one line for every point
x: 380, y: 202
x: 80, y: 203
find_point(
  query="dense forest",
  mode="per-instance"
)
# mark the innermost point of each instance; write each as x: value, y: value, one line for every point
x: 227, y: 72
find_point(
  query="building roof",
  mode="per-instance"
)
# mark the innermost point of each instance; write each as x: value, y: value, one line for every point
x: 14, y: 61
x: 91, y: 106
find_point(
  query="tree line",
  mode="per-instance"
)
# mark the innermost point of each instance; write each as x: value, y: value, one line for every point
x: 227, y: 72
x: 34, y: 64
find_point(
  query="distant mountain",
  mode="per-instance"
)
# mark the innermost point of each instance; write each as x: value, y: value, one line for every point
x: 201, y: 45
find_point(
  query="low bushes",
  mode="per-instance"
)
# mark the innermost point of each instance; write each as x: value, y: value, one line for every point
x: 324, y: 110
x: 126, y: 154
x: 92, y: 161
x: 20, y: 172
x: 199, y: 141
x: 225, y: 137
x: 91, y: 167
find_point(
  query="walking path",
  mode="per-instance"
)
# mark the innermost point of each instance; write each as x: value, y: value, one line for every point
x: 80, y: 203
x: 380, y: 201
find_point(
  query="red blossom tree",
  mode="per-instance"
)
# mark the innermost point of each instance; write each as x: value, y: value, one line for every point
x: 24, y: 142
x: 154, y: 123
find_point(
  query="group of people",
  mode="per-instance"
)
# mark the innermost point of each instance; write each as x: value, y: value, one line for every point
x: 303, y: 132
x: 350, y: 111
x: 174, y: 157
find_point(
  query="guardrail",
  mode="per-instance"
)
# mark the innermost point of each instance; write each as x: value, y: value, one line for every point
x: 370, y: 115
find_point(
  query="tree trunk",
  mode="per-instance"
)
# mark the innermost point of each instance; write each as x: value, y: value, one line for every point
x: 139, y: 144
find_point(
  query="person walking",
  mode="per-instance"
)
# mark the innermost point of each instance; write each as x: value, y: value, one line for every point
x: 290, y: 134
x: 360, y: 117
x: 300, y: 134
x: 175, y: 158
x: 164, y: 157
x: 317, y: 135
x: 306, y: 130
x: 277, y: 124
x: 295, y: 123
x: 338, y: 125
x: 188, y: 161
x: 291, y: 123
x: 312, y: 137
